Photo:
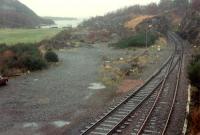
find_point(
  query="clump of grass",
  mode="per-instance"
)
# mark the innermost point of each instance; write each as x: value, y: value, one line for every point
x: 138, y: 40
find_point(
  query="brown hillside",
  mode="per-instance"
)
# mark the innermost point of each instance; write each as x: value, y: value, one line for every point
x: 135, y: 21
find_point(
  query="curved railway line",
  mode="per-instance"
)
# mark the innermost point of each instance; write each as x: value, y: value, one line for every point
x: 154, y: 101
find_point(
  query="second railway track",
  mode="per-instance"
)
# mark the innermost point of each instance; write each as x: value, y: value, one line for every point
x: 156, y: 118
x: 139, y: 105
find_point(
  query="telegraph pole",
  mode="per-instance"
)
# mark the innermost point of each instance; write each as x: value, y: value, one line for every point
x: 146, y: 35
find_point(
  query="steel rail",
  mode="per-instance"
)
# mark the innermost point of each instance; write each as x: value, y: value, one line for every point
x: 154, y: 104
x: 170, y: 69
x: 123, y: 102
x: 175, y: 94
x: 157, y: 99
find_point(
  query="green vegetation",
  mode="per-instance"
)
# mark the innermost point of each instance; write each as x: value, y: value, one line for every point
x: 19, y: 50
x: 21, y: 56
x: 51, y: 56
x: 137, y: 40
x: 194, y: 76
x: 194, y: 72
x: 14, y: 36
x: 33, y: 63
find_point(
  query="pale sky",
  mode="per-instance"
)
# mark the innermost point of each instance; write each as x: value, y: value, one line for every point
x: 79, y: 8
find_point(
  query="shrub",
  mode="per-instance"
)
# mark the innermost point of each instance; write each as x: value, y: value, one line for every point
x: 194, y: 76
x: 28, y: 48
x: 27, y: 56
x: 51, y: 56
x: 138, y: 40
x: 33, y: 63
x: 2, y: 47
x: 194, y: 72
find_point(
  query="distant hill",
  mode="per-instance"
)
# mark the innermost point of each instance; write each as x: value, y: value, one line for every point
x: 131, y: 16
x: 14, y: 14
x: 59, y: 18
x: 115, y: 21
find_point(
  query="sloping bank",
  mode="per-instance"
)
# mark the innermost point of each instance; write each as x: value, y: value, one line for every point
x: 190, y: 31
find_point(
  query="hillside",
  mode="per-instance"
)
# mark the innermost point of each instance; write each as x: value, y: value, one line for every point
x: 14, y: 14
x: 125, y: 19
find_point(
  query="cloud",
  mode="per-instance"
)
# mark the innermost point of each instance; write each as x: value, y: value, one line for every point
x: 79, y: 8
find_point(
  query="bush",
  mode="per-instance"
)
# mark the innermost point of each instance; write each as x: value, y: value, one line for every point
x: 28, y: 48
x: 2, y: 47
x: 194, y: 76
x: 29, y: 56
x: 26, y: 56
x: 138, y: 40
x: 194, y: 72
x: 51, y: 56
x: 33, y: 63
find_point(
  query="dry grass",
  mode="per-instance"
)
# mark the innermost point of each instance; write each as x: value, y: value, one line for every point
x: 111, y: 76
x: 128, y: 85
x: 195, y: 121
x: 135, y: 21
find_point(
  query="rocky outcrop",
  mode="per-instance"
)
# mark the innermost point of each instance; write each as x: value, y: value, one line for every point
x: 190, y: 27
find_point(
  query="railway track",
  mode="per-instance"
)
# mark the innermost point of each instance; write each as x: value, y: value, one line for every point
x: 141, y: 106
x: 156, y: 118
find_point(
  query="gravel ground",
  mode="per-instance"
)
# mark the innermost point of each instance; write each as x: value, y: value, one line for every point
x: 62, y: 99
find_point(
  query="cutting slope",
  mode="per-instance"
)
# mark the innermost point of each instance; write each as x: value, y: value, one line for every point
x: 137, y: 20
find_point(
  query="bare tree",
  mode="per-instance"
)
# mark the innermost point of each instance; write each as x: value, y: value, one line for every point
x: 152, y: 8
x: 196, y: 4
x: 165, y: 4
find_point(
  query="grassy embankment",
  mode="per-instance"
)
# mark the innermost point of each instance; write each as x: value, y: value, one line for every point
x: 194, y: 76
x: 14, y: 36
x: 19, y: 50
